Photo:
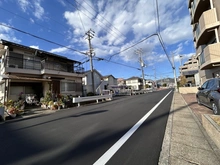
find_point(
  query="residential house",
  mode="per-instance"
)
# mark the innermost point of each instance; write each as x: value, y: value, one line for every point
x: 110, y: 80
x: 100, y: 82
x: 190, y: 69
x: 32, y: 71
x: 205, y: 21
x: 135, y: 83
x: 87, y: 81
x: 121, y: 82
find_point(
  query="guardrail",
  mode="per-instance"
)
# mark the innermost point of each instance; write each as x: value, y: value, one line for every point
x: 91, y: 98
x: 142, y: 91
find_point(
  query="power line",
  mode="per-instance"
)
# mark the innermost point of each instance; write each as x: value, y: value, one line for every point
x: 159, y: 35
x: 104, y: 27
x: 100, y: 59
x: 65, y: 46
x: 41, y: 38
x: 29, y: 20
x: 133, y: 45
x: 158, y: 17
x: 165, y: 51
x: 104, y: 18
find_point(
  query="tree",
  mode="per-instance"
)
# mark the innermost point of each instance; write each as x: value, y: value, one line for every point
x: 182, y: 81
x: 164, y: 85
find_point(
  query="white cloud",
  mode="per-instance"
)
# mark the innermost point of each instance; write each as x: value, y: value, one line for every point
x: 24, y: 4
x: 39, y: 10
x: 59, y: 50
x: 34, y: 46
x: 62, y: 2
x: 119, y: 24
x: 178, y: 31
x: 32, y: 7
x: 7, y: 34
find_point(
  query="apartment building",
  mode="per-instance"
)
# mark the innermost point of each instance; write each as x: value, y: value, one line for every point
x: 205, y: 21
x: 26, y: 70
x: 189, y: 69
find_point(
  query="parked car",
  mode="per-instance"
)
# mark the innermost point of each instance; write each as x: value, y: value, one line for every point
x: 209, y: 95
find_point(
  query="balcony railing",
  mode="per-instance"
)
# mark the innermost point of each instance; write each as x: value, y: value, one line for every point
x: 14, y: 62
x: 210, y: 56
x: 208, y: 19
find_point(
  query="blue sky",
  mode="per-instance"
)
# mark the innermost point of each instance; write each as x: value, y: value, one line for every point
x: 118, y: 25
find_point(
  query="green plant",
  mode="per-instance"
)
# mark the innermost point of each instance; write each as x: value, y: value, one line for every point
x: 59, y: 102
x: 47, y: 98
x: 14, y: 107
x: 50, y: 103
x: 90, y: 94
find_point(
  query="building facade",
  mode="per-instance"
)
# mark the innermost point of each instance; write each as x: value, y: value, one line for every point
x: 189, y: 69
x: 26, y: 71
x: 205, y: 21
x: 135, y: 83
x: 100, y: 82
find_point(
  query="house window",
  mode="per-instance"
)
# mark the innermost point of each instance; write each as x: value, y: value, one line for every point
x: 68, y: 86
x: 15, y: 60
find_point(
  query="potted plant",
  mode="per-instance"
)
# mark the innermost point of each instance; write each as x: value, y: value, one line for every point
x: 60, y: 104
x: 50, y: 104
x: 10, y: 108
x: 19, y: 106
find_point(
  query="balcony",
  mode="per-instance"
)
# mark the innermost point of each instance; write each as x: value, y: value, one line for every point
x: 207, y: 22
x: 20, y: 65
x: 210, y: 57
x: 197, y: 8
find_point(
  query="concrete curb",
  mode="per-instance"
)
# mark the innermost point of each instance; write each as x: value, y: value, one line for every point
x: 165, y: 151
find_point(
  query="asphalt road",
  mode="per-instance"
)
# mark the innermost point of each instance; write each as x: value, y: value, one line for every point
x: 81, y: 136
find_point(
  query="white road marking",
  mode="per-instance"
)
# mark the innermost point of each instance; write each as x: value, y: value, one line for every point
x: 110, y: 152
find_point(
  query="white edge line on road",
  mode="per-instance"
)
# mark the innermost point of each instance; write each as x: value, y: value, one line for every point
x: 111, y: 151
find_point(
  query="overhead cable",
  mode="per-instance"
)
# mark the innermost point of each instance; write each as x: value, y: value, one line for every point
x: 41, y: 38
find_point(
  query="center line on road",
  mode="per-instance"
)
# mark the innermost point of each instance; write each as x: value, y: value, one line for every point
x: 111, y: 151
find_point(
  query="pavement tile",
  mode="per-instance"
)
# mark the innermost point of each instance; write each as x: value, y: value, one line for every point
x: 183, y: 115
x: 193, y: 154
x: 193, y: 141
x: 187, y: 131
x: 180, y: 161
x: 186, y: 142
x: 184, y: 120
x: 192, y: 125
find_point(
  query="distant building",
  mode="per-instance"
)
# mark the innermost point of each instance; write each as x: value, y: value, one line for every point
x: 189, y: 70
x: 168, y: 82
x: 205, y: 21
x: 135, y: 83
x: 100, y: 82
x: 121, y: 82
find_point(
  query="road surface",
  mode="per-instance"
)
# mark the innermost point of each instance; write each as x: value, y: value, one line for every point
x: 128, y: 130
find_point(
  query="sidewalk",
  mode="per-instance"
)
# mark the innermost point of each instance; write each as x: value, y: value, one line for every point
x: 30, y: 113
x: 186, y: 141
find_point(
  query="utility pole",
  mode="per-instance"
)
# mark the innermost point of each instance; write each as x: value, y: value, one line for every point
x: 174, y: 72
x: 90, y: 35
x: 140, y: 52
x: 155, y: 77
